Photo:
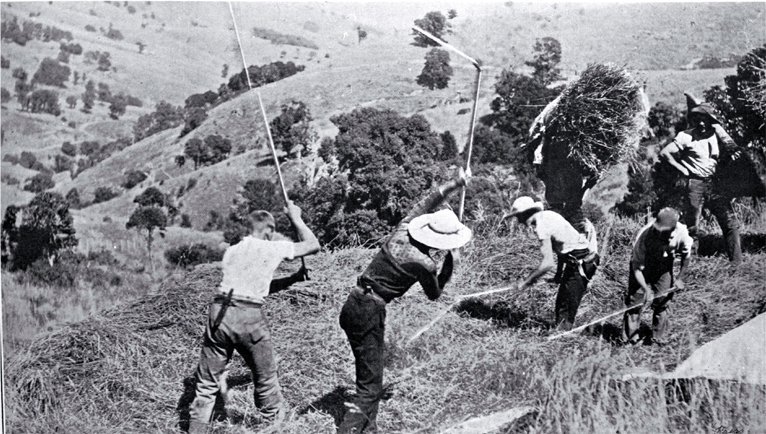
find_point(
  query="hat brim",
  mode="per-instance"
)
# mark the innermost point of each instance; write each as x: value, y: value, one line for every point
x: 662, y: 228
x: 422, y: 233
x: 537, y: 207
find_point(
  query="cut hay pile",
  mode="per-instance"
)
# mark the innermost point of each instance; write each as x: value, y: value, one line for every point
x: 600, y: 118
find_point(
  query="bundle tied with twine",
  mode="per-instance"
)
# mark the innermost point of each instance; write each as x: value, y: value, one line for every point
x: 600, y: 117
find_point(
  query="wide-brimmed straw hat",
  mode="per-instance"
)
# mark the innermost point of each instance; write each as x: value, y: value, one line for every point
x: 666, y: 220
x: 439, y: 230
x: 524, y: 204
x: 693, y: 105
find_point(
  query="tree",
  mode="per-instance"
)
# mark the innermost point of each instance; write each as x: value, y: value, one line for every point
x: 196, y: 150
x: 20, y: 73
x: 147, y: 219
x: 117, y: 107
x: 45, y: 228
x: 104, y: 93
x: 104, y: 64
x: 51, y: 73
x: 6, y: 96
x: 5, y: 63
x: 45, y: 101
x: 291, y: 130
x: 164, y: 117
x: 89, y: 96
x: 218, y: 148
x: 133, y: 178
x: 434, y: 23
x: 103, y: 194
x: 69, y: 149
x: 742, y: 104
x: 152, y: 196
x: 361, y: 33
x: 193, y: 118
x: 449, y: 146
x: 546, y: 60
x: 62, y: 164
x: 451, y: 14
x: 384, y: 160
x: 436, y: 72
x: 72, y: 101
x: 88, y: 148
x: 73, y: 198
x: 40, y: 183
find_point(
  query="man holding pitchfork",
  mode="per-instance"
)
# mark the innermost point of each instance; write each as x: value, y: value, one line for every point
x: 406, y: 257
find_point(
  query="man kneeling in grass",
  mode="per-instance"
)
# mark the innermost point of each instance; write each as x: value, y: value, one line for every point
x: 235, y: 320
x: 577, y: 250
x: 405, y: 258
x: 651, y: 273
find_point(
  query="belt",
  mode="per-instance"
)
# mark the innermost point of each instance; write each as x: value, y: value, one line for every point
x: 592, y: 256
x: 368, y: 292
x: 234, y: 301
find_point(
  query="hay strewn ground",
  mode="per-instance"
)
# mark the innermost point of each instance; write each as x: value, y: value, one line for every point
x: 130, y: 369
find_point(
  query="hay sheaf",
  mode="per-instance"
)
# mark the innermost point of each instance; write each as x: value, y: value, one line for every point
x: 116, y: 355
x: 600, y: 118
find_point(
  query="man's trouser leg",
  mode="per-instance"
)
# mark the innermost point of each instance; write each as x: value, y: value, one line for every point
x: 723, y: 210
x: 363, y: 319
x: 635, y: 296
x: 251, y: 337
x: 571, y: 291
x: 661, y: 306
x: 696, y: 193
x: 213, y: 358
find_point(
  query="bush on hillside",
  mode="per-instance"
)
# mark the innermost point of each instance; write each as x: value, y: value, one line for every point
x: 189, y: 255
x: 193, y: 118
x: 36, y: 230
x: 261, y: 75
x: 20, y: 73
x: 104, y: 194
x: 5, y: 96
x: 283, y: 39
x: 434, y: 23
x: 73, y: 198
x: 52, y: 73
x: 164, y: 117
x: 133, y: 178
x: 104, y: 62
x: 291, y: 130
x: 212, y: 150
x: 436, y: 72
x: 4, y: 63
x: 62, y: 164
x: 387, y: 162
x: 40, y: 183
x: 113, y: 34
x: 44, y: 101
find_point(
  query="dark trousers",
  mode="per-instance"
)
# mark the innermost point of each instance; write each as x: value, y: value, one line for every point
x: 363, y: 318
x: 659, y: 282
x: 700, y: 193
x: 244, y: 329
x: 571, y: 291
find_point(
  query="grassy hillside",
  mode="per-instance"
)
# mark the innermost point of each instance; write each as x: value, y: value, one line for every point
x: 130, y: 369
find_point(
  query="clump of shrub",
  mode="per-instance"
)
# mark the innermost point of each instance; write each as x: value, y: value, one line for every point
x: 70, y: 268
x: 283, y: 39
x: 189, y: 255
x: 133, y: 178
x: 103, y: 194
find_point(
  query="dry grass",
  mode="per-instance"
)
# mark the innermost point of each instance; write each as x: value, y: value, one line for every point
x: 130, y: 369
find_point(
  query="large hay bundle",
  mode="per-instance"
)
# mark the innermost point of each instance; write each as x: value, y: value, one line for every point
x: 599, y: 118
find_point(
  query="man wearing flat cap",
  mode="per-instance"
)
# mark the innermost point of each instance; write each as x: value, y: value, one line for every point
x: 406, y: 257
x: 695, y: 154
x: 577, y: 250
x: 651, y: 273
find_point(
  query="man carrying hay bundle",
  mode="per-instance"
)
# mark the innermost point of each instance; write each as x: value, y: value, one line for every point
x: 406, y: 257
x: 694, y: 154
x: 235, y: 320
x: 651, y: 273
x: 596, y: 123
x: 578, y: 251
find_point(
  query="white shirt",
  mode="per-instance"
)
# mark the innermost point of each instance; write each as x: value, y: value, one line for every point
x: 564, y: 237
x: 697, y: 156
x: 249, y: 266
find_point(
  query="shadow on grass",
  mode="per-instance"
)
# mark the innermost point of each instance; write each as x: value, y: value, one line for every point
x: 612, y: 333
x: 711, y: 245
x: 331, y: 403
x: 503, y: 314
x: 219, y: 409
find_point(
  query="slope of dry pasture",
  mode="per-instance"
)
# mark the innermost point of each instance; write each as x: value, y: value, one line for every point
x: 130, y: 369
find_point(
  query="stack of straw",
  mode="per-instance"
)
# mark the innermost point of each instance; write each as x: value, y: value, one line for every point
x: 600, y: 118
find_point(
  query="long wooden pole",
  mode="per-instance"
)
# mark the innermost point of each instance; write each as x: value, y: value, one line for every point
x: 611, y: 315
x: 469, y: 148
x: 265, y: 120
